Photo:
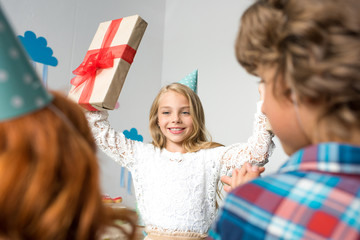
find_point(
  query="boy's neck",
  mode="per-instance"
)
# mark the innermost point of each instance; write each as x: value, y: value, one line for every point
x: 318, y: 132
x: 353, y: 139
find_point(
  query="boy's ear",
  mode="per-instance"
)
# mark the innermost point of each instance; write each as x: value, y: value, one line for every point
x: 290, y: 95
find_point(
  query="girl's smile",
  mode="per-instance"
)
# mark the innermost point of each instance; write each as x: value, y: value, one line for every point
x: 176, y: 130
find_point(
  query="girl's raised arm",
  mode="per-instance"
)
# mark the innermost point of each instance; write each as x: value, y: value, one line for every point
x: 112, y: 142
x: 256, y: 151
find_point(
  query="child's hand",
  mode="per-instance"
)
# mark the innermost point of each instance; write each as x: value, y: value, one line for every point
x: 240, y: 176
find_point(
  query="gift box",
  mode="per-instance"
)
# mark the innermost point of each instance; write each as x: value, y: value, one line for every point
x: 101, y: 75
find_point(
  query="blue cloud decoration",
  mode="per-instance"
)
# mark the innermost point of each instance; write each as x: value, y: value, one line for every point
x: 133, y: 135
x: 37, y: 49
x: 39, y: 52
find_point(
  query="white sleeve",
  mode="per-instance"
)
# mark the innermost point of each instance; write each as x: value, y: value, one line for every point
x: 113, y: 143
x: 257, y: 150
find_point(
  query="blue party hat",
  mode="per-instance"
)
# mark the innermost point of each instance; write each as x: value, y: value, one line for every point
x: 191, y: 80
x: 21, y: 91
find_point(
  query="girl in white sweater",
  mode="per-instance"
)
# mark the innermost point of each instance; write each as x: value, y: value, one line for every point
x: 177, y: 175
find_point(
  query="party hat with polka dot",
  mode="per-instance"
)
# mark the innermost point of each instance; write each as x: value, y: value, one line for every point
x: 191, y: 80
x: 21, y: 91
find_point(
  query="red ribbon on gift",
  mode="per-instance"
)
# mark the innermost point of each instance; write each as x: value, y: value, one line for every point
x: 98, y: 59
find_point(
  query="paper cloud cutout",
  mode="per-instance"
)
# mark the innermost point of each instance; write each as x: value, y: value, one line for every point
x: 133, y: 135
x: 37, y: 49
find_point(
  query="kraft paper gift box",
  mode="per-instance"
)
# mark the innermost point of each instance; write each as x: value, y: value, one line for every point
x: 102, y: 73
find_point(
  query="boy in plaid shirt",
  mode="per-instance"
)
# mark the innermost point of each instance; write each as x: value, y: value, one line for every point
x: 307, y: 54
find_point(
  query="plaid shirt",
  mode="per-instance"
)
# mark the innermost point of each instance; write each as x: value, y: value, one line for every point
x: 315, y: 195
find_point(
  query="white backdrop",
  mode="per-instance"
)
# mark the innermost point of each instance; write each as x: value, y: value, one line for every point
x: 182, y: 35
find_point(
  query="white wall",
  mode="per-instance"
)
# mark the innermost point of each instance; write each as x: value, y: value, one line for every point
x: 182, y: 35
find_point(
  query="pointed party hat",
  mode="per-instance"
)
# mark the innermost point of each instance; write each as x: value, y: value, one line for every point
x: 21, y: 91
x: 191, y: 80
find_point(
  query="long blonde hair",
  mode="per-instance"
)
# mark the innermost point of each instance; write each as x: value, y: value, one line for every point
x: 316, y: 48
x: 49, y: 187
x: 199, y: 138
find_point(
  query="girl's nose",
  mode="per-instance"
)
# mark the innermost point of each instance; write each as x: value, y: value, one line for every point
x: 176, y: 118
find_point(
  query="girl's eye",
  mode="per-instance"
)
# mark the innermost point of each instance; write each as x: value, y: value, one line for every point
x: 165, y: 113
x: 186, y: 113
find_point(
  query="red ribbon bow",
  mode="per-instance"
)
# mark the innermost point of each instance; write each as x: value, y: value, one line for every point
x: 88, y: 69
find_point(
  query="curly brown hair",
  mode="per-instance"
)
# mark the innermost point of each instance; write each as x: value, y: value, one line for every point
x: 49, y: 173
x: 315, y: 45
